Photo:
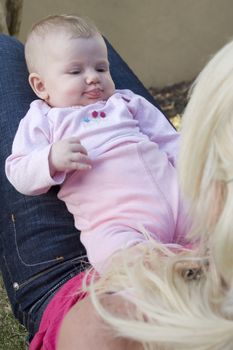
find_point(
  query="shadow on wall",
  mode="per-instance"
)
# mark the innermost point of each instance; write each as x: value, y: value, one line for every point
x: 10, y: 16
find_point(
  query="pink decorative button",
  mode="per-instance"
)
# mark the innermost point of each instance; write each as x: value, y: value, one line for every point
x: 102, y: 114
x: 94, y: 114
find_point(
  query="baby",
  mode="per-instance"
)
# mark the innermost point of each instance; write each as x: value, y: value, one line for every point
x: 111, y: 151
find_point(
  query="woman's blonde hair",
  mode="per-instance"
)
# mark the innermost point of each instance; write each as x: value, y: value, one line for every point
x: 74, y: 26
x: 184, y: 299
x: 206, y: 158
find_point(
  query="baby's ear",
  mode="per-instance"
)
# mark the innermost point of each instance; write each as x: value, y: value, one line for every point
x: 37, y: 85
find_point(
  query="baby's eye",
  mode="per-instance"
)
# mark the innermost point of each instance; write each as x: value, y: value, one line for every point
x: 75, y: 72
x: 102, y: 69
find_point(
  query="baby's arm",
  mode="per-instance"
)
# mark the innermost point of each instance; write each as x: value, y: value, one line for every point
x: 36, y: 163
x: 27, y: 167
x: 154, y: 124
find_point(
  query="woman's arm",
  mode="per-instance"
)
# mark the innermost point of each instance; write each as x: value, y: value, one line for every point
x: 83, y: 329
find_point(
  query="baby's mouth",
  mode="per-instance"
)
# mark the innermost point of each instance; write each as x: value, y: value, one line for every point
x: 94, y: 93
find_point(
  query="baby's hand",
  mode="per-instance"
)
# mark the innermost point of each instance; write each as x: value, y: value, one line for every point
x: 68, y: 154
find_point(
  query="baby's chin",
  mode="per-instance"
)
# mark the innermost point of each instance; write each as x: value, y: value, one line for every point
x: 90, y: 101
x: 73, y: 104
x: 83, y: 101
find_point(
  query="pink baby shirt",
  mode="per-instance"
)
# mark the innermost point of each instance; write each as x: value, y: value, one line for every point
x: 132, y: 184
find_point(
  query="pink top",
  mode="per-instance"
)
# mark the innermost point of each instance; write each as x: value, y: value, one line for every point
x: 99, y: 126
x: 132, y: 185
x: 64, y: 299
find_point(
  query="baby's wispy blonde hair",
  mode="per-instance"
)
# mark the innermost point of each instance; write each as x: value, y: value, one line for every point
x: 72, y: 25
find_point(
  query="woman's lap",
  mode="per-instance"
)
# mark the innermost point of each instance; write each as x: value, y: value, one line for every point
x: 39, y: 247
x: 38, y: 243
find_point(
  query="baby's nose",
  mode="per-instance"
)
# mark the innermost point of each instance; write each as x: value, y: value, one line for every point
x: 92, y: 77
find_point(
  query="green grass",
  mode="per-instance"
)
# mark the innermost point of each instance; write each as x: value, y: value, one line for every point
x: 12, y: 334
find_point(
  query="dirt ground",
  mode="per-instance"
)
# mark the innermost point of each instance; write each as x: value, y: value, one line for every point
x: 172, y: 100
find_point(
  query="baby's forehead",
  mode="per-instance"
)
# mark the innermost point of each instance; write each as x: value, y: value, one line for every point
x: 47, y: 44
x: 56, y: 46
x: 53, y: 35
x: 63, y: 38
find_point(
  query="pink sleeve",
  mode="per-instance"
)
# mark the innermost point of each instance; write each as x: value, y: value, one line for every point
x: 154, y: 124
x: 27, y: 167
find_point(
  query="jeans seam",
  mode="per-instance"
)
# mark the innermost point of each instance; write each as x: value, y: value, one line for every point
x: 49, y: 269
x: 31, y: 322
x: 59, y: 258
x: 6, y: 266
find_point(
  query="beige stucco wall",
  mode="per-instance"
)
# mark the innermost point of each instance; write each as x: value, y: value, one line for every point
x: 164, y: 41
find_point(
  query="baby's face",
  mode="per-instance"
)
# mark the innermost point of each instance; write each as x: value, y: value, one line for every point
x: 77, y: 71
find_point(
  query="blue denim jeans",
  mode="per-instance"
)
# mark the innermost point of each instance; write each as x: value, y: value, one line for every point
x: 40, y: 248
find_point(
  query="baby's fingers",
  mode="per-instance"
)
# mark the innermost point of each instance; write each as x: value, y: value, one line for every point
x: 76, y: 146
x: 80, y: 161
x: 81, y: 166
